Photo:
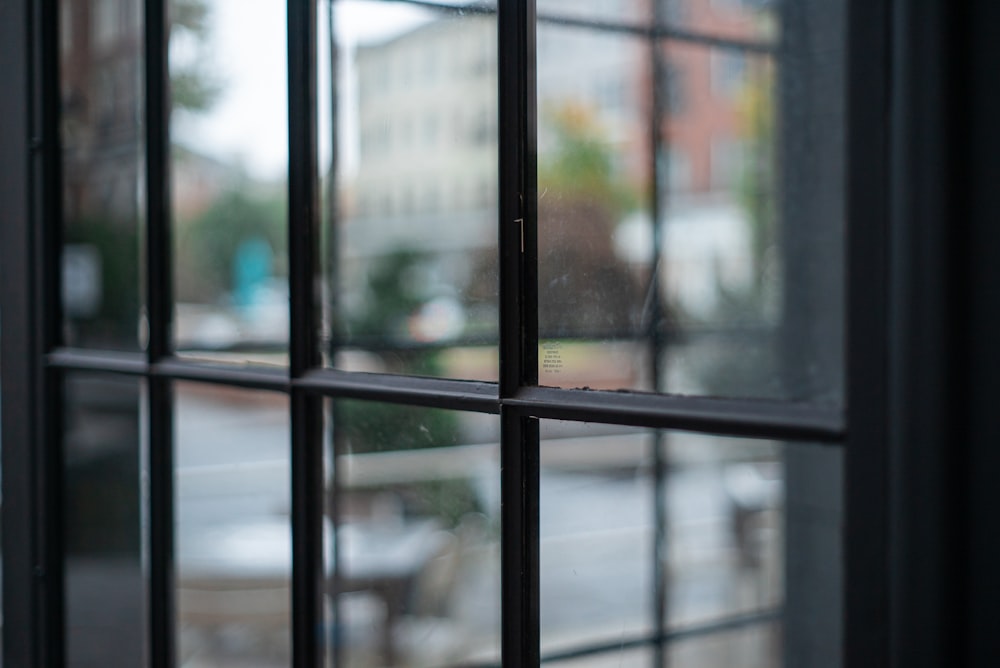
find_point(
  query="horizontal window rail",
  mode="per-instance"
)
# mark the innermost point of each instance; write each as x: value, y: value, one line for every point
x: 751, y: 418
x: 431, y: 392
x: 730, y: 417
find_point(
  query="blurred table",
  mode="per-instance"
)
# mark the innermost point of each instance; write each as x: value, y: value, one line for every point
x: 242, y: 560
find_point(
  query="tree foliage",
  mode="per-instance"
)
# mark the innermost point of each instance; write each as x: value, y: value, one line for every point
x: 207, y: 246
x: 117, y: 244
x: 584, y: 287
x: 194, y: 86
x: 580, y: 164
x: 392, y: 296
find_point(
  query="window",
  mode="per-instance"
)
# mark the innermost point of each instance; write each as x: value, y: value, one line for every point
x: 315, y: 395
x: 674, y: 85
x: 727, y: 73
x: 728, y: 164
x: 413, y: 300
x: 597, y: 415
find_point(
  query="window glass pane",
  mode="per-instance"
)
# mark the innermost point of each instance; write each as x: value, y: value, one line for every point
x: 409, y: 118
x: 102, y: 105
x: 722, y: 271
x: 228, y: 70
x: 415, y: 503
x: 593, y: 187
x: 233, y: 531
x: 732, y: 286
x: 105, y: 593
x: 734, y: 533
x: 724, y: 502
x: 597, y: 531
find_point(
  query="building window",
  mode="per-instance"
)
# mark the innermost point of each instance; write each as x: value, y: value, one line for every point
x: 674, y: 88
x: 728, y: 162
x: 728, y: 73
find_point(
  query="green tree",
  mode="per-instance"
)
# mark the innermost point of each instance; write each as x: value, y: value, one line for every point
x: 117, y: 245
x: 580, y: 164
x: 392, y: 297
x: 756, y: 182
x: 194, y: 87
x: 585, y: 286
x: 207, y: 246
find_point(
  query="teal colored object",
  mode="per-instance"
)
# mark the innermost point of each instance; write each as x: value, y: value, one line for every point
x: 252, y: 266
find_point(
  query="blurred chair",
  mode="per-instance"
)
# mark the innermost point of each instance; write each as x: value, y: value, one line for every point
x: 233, y: 615
x: 430, y: 633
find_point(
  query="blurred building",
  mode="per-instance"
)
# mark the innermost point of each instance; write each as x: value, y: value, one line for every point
x: 427, y: 171
x: 427, y: 179
x: 100, y: 72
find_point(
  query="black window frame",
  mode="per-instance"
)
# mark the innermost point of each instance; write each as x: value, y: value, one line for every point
x: 917, y: 534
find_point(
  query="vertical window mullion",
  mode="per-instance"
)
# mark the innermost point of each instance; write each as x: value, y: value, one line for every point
x: 518, y: 196
x: 518, y: 329
x: 866, y: 596
x: 658, y: 150
x: 29, y: 157
x: 17, y: 356
x: 46, y: 218
x: 159, y: 305
x: 306, y: 411
x: 162, y: 636
x: 519, y: 550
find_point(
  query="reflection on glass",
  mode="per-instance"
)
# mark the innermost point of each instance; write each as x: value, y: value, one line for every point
x: 597, y: 530
x: 409, y: 228
x: 105, y: 585
x: 100, y: 66
x: 414, y: 499
x: 735, y: 530
x: 233, y: 535
x: 229, y: 171
x: 730, y: 287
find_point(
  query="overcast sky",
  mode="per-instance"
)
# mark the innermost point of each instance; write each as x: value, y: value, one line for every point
x: 247, y: 52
